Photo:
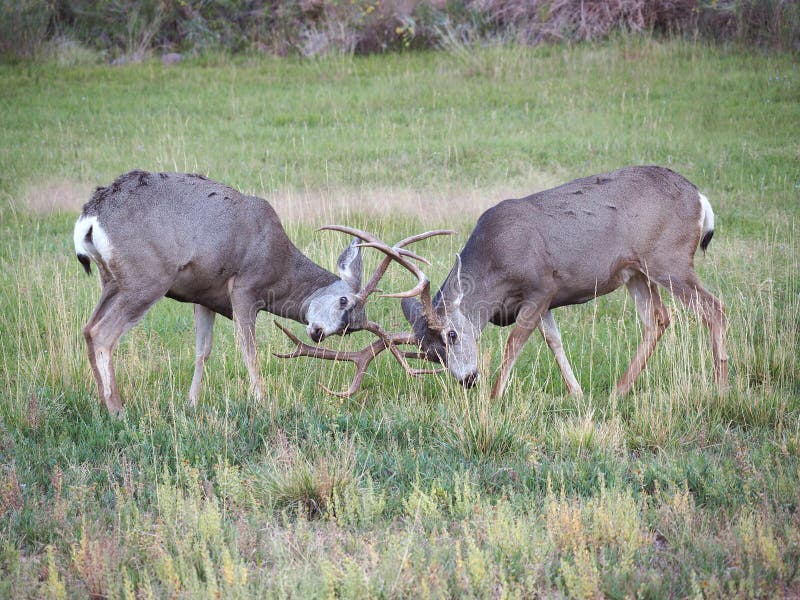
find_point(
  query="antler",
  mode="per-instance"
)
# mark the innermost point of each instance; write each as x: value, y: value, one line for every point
x: 361, y: 358
x: 398, y: 254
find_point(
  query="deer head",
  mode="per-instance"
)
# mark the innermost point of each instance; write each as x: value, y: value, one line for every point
x: 444, y: 332
x: 339, y: 307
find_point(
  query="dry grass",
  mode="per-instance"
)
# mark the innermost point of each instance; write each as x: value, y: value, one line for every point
x: 54, y: 196
x: 439, y: 205
x: 320, y: 206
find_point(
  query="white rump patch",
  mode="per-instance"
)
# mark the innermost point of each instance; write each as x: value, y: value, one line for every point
x: 706, y: 215
x: 99, y: 248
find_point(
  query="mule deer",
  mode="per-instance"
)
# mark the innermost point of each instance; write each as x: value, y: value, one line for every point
x: 638, y: 226
x: 195, y: 240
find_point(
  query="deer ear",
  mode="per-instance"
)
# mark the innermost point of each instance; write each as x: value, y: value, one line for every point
x: 349, y: 265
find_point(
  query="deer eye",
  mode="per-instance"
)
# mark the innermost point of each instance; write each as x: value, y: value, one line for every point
x: 452, y: 335
x: 343, y: 301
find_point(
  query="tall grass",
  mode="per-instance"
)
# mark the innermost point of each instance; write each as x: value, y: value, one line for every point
x: 415, y: 487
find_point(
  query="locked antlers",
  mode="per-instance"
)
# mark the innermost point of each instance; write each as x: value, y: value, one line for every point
x: 399, y: 254
x: 386, y: 341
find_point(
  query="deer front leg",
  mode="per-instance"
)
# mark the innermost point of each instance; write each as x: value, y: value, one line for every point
x: 528, y: 319
x: 245, y: 309
x: 204, y: 324
x: 549, y: 330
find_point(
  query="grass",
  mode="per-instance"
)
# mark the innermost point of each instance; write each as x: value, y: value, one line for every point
x: 415, y: 487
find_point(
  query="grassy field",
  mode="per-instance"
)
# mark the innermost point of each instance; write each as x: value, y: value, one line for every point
x: 415, y: 487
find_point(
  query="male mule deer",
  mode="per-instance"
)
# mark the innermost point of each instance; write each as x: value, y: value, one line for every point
x: 195, y: 240
x: 638, y: 226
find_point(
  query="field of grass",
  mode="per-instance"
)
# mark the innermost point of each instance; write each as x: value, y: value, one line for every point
x: 415, y: 487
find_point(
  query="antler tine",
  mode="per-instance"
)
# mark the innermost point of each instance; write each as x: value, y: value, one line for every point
x: 423, y: 236
x: 360, y: 234
x: 417, y: 290
x: 397, y: 257
x: 400, y: 246
x: 423, y: 287
x: 400, y: 251
x: 369, y: 237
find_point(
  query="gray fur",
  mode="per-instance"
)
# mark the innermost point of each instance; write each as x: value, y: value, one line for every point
x: 195, y: 240
x: 568, y: 245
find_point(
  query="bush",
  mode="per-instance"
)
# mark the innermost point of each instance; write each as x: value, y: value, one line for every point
x: 23, y: 27
x: 129, y: 29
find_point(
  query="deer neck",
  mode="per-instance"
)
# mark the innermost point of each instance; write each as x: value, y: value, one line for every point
x: 301, y: 281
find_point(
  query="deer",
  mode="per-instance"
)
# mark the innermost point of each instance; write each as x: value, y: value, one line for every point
x: 638, y: 226
x: 189, y: 238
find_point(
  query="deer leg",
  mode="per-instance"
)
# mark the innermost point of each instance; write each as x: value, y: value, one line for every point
x: 712, y: 312
x: 106, y: 297
x: 655, y: 319
x: 245, y: 309
x: 549, y: 330
x: 104, y: 382
x: 204, y: 324
x: 115, y: 314
x: 528, y: 319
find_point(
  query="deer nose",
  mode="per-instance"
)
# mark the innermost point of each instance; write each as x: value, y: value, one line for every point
x: 469, y: 380
x: 316, y: 334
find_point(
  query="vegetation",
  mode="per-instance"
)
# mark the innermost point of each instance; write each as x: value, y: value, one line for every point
x: 124, y: 31
x: 415, y: 487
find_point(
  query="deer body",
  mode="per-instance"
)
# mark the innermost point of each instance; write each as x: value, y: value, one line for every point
x: 638, y: 226
x: 195, y: 240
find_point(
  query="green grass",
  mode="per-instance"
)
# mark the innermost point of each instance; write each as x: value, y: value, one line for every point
x: 415, y: 487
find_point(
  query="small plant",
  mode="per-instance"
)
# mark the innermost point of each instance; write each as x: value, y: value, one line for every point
x: 305, y: 484
x: 359, y: 504
x: 481, y: 428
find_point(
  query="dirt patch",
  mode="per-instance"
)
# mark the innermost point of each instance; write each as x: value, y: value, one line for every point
x: 48, y: 197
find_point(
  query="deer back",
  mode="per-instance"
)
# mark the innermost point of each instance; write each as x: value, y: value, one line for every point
x: 584, y: 234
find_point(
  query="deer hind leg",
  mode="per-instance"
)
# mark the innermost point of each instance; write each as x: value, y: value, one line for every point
x: 528, y: 319
x: 204, y: 325
x: 116, y: 313
x: 712, y: 312
x: 549, y: 330
x: 655, y: 319
x: 245, y: 306
x: 107, y: 296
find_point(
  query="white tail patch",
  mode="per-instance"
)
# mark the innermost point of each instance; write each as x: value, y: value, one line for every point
x: 706, y: 215
x: 97, y: 247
